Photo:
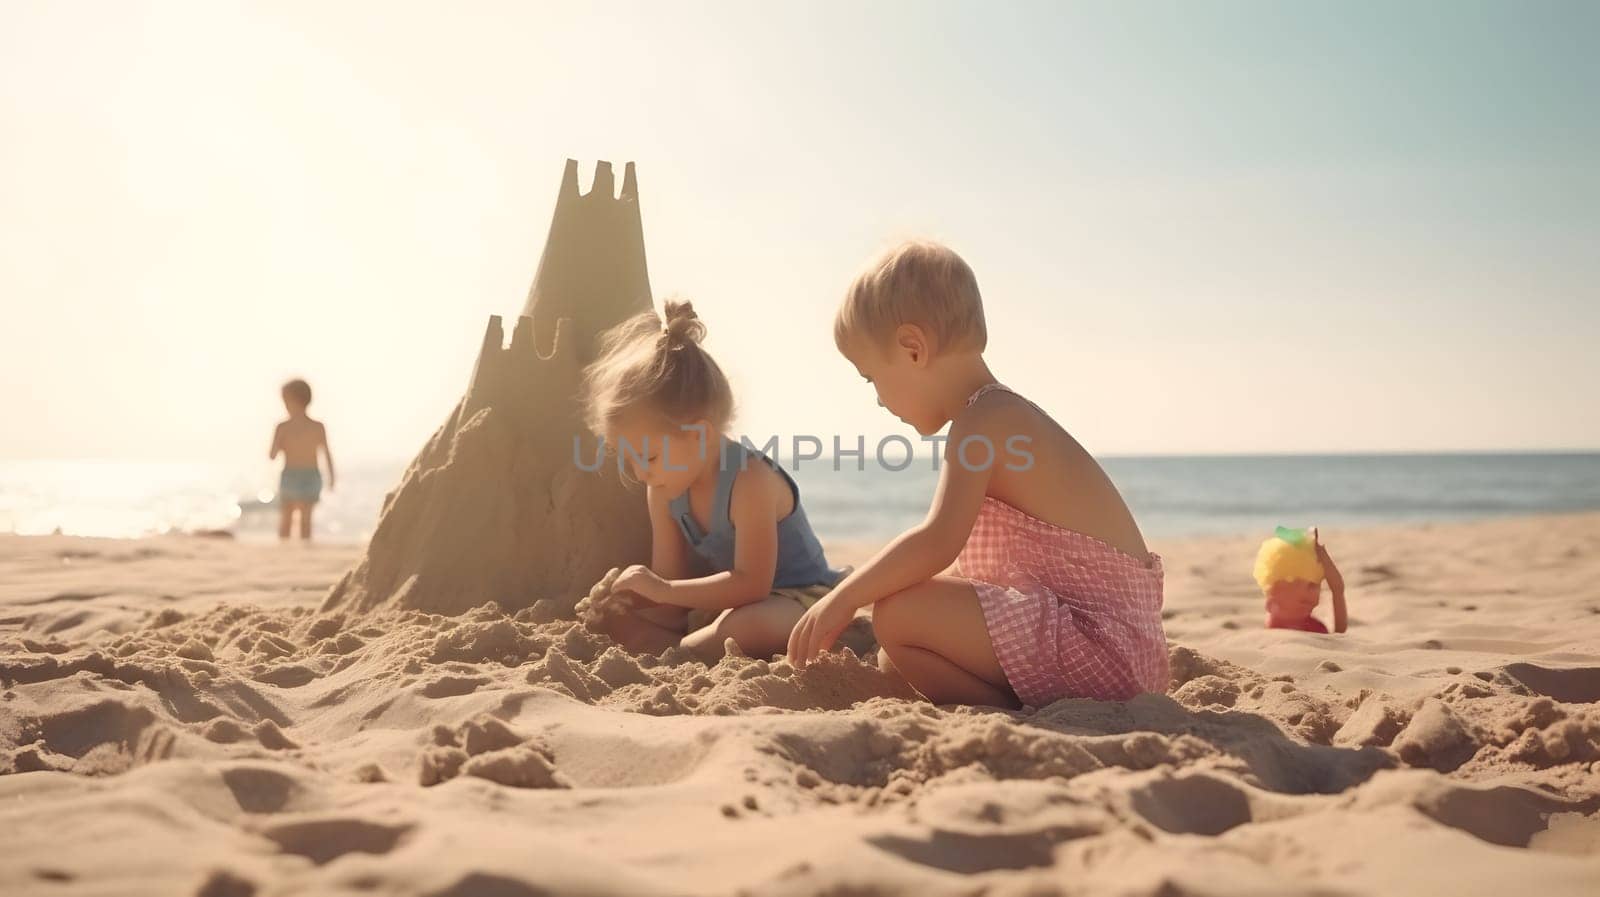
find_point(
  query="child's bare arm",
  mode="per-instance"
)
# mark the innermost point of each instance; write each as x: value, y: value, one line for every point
x: 925, y: 550
x: 754, y: 512
x: 915, y: 556
x: 277, y: 443
x: 669, y: 558
x: 1330, y: 572
x: 930, y: 547
x: 669, y: 552
x: 327, y: 453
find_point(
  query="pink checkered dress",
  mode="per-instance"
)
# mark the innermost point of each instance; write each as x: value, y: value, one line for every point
x: 1069, y: 615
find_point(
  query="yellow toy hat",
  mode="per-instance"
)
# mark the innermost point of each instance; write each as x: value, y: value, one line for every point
x: 1288, y: 554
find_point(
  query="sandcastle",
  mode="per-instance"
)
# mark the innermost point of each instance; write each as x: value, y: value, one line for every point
x: 495, y: 507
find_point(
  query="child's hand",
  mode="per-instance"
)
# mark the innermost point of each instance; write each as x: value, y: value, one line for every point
x: 1330, y: 571
x: 641, y: 579
x: 604, y: 602
x: 818, y: 629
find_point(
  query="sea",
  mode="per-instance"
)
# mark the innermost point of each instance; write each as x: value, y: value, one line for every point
x: 1171, y: 496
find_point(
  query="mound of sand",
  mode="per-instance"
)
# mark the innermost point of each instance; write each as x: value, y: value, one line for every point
x: 496, y: 507
x: 179, y: 718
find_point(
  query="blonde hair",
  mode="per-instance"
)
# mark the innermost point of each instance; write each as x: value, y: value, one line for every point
x: 1279, y: 561
x: 918, y: 282
x: 657, y: 364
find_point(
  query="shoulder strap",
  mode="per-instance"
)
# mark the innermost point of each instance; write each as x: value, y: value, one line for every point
x: 1001, y: 387
x: 731, y: 461
x: 986, y: 389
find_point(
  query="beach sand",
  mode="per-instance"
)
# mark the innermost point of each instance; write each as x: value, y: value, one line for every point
x: 177, y: 716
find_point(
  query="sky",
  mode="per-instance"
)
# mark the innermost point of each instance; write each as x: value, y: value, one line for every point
x: 1199, y: 227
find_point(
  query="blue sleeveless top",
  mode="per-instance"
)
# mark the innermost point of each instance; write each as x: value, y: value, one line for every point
x: 800, y: 559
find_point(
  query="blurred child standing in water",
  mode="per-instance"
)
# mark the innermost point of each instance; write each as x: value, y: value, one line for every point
x: 299, y: 439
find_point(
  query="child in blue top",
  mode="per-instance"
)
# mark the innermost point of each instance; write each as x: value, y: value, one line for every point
x: 732, y: 554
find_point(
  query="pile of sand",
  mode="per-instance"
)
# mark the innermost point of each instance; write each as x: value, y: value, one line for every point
x: 495, y: 506
x: 181, y: 718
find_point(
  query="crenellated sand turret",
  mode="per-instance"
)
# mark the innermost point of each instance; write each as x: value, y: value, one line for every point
x: 495, y: 506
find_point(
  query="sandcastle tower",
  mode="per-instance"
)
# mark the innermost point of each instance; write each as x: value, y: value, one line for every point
x: 593, y: 270
x: 495, y: 507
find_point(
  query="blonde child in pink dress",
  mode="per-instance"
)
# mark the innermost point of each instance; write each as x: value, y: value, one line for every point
x: 1029, y: 581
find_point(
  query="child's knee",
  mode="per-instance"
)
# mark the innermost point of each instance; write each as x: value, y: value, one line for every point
x: 891, y: 618
x: 707, y: 641
x: 757, y: 631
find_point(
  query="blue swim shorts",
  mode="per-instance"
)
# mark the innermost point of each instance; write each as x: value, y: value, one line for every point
x: 300, y: 484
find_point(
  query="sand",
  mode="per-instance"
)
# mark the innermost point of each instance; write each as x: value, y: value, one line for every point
x: 180, y: 716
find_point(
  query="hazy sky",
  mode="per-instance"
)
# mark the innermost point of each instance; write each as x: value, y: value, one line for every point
x: 1199, y: 227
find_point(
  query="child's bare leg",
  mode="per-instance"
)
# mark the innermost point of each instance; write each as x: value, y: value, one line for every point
x: 649, y: 630
x: 933, y: 633
x: 285, y: 519
x: 305, y: 520
x: 761, y: 629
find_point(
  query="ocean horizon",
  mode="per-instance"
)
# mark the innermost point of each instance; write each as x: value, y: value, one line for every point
x: 1172, y: 496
